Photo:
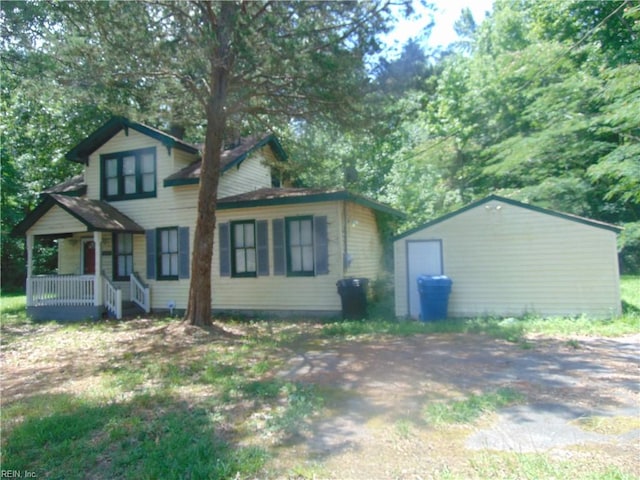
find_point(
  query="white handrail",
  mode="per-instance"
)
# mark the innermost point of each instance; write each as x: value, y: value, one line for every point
x: 61, y: 290
x: 112, y: 296
x: 139, y: 292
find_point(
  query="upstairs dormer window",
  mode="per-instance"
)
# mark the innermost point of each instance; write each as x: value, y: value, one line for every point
x: 128, y: 175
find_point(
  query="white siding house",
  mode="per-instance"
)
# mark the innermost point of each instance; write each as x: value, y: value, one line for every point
x: 125, y: 227
x: 508, y: 258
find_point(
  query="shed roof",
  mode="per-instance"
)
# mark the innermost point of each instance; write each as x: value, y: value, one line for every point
x: 515, y: 203
x: 288, y: 196
x: 95, y: 214
x: 229, y: 158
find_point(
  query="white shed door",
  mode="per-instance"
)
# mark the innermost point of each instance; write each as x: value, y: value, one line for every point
x: 424, y: 257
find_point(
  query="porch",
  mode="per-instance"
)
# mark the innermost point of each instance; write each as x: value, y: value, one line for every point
x: 81, y: 297
x: 82, y: 288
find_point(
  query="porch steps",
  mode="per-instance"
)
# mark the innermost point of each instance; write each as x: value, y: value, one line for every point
x: 129, y: 310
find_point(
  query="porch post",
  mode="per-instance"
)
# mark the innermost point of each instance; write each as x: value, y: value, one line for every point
x: 29, y: 269
x: 97, y: 293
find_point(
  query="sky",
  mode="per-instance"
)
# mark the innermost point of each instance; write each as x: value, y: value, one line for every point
x: 447, y: 12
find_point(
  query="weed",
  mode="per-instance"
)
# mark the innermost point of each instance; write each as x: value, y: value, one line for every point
x: 532, y: 466
x: 471, y: 408
x: 302, y: 401
x: 403, y: 428
x: 308, y: 471
x: 608, y: 425
x: 575, y: 344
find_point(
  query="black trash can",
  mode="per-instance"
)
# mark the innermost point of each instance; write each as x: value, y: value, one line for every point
x: 353, y: 292
x: 434, y: 297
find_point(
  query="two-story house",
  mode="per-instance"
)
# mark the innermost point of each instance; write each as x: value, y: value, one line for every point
x: 124, y: 230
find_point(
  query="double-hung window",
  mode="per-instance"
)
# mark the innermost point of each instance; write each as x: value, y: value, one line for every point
x: 167, y: 253
x: 123, y: 256
x: 243, y: 241
x: 129, y: 175
x: 300, y: 248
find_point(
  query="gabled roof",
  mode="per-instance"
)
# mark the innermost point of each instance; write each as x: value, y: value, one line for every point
x: 229, y: 158
x: 80, y: 153
x: 288, y: 196
x: 515, y: 203
x: 95, y: 214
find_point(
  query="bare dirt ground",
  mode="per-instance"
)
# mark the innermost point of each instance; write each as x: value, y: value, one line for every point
x: 377, y: 427
x: 376, y: 389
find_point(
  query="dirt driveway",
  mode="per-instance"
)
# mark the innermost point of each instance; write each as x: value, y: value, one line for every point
x: 377, y: 391
x: 578, y: 411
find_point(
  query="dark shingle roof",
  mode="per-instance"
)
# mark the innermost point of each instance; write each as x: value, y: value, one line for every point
x: 229, y: 158
x: 73, y: 186
x: 287, y: 196
x: 95, y: 214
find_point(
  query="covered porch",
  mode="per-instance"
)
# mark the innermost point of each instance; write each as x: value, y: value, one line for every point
x: 82, y: 288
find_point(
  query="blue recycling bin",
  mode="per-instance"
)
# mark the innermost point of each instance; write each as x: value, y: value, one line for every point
x: 434, y: 296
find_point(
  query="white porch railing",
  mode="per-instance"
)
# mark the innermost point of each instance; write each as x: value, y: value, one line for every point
x: 61, y: 290
x: 139, y: 292
x: 112, y: 297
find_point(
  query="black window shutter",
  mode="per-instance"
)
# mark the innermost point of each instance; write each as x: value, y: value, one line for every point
x: 262, y: 234
x: 151, y: 254
x: 321, y: 245
x: 183, y: 245
x: 224, y: 249
x: 279, y: 257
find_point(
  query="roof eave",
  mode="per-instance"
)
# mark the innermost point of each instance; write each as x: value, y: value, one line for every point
x: 270, y: 140
x: 341, y: 195
x: 565, y: 216
x: 81, y: 152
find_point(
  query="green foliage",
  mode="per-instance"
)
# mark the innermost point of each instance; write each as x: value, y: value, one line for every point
x: 148, y: 437
x: 542, y: 107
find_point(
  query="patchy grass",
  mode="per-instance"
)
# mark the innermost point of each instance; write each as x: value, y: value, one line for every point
x: 471, y: 408
x: 150, y: 398
x: 511, y: 329
x: 149, y: 436
x: 533, y: 466
x: 609, y: 425
x: 13, y: 309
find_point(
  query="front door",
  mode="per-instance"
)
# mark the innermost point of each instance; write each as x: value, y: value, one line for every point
x: 88, y: 257
x: 424, y: 257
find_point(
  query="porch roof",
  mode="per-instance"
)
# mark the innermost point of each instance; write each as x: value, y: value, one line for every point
x: 95, y: 214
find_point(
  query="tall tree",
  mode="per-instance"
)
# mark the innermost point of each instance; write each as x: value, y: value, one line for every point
x: 219, y: 62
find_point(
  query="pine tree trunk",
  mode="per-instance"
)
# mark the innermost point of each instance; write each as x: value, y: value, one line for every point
x: 221, y: 60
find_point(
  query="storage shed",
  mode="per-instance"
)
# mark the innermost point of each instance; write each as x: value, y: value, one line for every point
x: 508, y: 258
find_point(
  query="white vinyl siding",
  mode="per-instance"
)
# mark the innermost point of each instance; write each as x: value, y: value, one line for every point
x: 170, y: 205
x: 509, y: 260
x: 177, y: 205
x: 251, y: 174
x: 364, y: 244
x: 279, y: 292
x: 57, y: 221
